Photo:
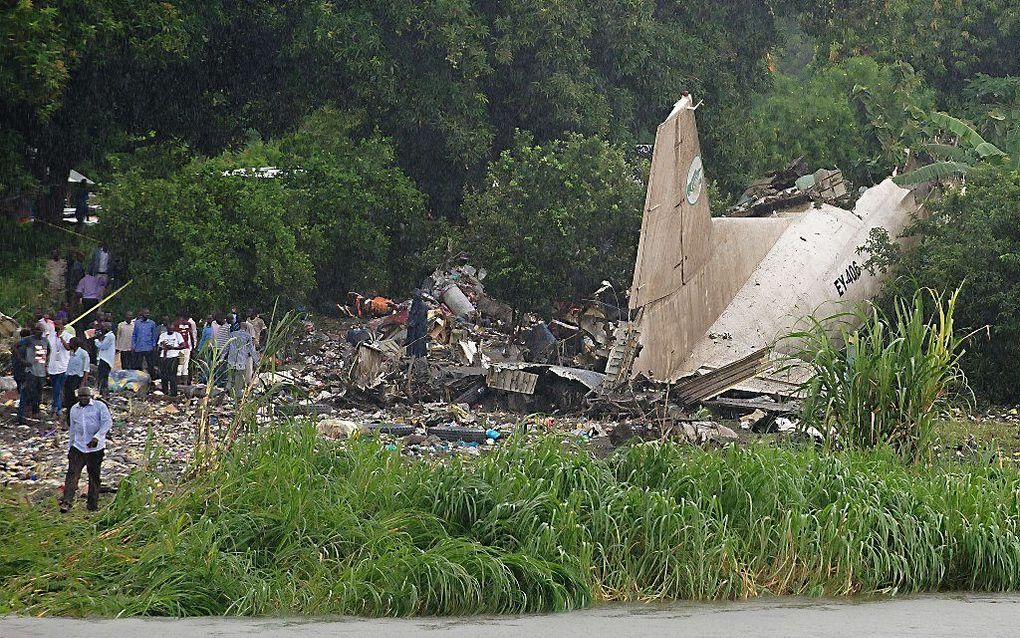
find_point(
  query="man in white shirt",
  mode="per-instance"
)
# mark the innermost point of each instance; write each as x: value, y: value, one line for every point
x: 89, y: 423
x: 60, y: 356
x: 106, y: 353
x: 169, y: 346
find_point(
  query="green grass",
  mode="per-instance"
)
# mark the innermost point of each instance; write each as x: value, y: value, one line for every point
x: 982, y: 434
x: 291, y: 524
x: 21, y: 288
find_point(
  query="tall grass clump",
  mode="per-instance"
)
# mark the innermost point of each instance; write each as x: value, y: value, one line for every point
x: 887, y: 382
x: 287, y: 523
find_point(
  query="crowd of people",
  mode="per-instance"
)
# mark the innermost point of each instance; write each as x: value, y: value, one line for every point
x: 77, y: 282
x: 55, y: 353
x: 75, y: 349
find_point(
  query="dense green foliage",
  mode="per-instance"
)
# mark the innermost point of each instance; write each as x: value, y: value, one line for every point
x: 967, y: 148
x: 340, y: 529
x: 77, y: 80
x: 947, y: 42
x: 857, y: 115
x: 448, y: 80
x: 973, y: 239
x: 338, y: 216
x: 441, y: 88
x: 553, y: 221
x: 23, y: 252
x: 886, y: 382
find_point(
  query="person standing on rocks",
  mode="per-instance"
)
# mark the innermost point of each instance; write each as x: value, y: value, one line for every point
x: 17, y: 358
x: 257, y: 328
x: 90, y: 291
x: 20, y: 361
x: 36, y: 354
x: 205, y: 349
x: 60, y: 357
x: 74, y: 273
x: 89, y: 422
x: 222, y: 326
x: 143, y: 343
x: 78, y: 366
x: 417, y: 326
x: 241, y: 356
x: 183, y: 327
x: 125, y: 355
x: 170, y: 344
x: 193, y: 331
x: 106, y: 344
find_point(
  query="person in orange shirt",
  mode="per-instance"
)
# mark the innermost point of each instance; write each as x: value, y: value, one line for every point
x: 381, y: 306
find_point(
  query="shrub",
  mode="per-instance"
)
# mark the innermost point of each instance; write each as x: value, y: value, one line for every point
x: 889, y: 383
x: 340, y: 216
x: 858, y: 116
x: 972, y: 238
x: 550, y: 222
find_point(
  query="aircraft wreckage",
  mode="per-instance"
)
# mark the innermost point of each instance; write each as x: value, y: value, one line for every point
x: 708, y: 292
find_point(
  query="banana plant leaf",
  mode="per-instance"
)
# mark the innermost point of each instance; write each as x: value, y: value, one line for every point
x: 932, y: 172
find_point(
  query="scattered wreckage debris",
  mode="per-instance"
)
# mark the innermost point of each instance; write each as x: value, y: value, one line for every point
x: 482, y: 376
x: 456, y: 410
x: 789, y: 188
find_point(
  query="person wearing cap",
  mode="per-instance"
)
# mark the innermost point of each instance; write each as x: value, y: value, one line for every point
x: 89, y: 423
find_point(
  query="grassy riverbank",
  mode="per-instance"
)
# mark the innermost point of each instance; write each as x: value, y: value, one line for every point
x: 292, y: 524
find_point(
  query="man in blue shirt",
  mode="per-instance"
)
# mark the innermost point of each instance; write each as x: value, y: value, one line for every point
x: 143, y: 343
x: 89, y: 422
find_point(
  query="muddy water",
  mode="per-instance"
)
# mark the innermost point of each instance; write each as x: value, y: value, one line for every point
x: 949, y: 616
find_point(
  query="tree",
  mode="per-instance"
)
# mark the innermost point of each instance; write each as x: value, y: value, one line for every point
x: 859, y: 116
x: 449, y: 81
x: 552, y: 221
x: 947, y: 42
x: 966, y: 149
x: 365, y: 224
x: 973, y: 239
x: 336, y: 215
x: 71, y: 81
x: 200, y: 240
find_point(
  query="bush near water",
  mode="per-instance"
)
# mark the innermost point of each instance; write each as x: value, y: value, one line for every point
x: 289, y: 523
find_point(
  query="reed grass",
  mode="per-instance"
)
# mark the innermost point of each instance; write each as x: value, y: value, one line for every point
x: 288, y: 523
x: 887, y: 382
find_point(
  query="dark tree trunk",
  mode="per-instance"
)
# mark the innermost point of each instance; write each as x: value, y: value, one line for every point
x: 50, y: 204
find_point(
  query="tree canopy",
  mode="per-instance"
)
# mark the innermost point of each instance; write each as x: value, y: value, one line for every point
x: 335, y: 215
x: 449, y: 81
x: 552, y: 221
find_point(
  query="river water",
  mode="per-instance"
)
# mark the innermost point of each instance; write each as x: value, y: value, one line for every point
x: 949, y: 616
